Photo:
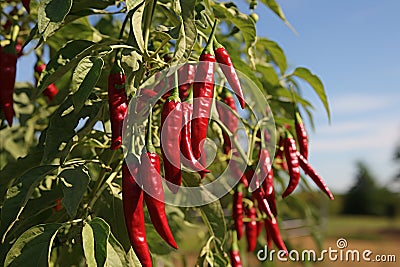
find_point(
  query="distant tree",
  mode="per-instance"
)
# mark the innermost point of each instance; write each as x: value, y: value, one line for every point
x: 397, y: 158
x: 365, y: 197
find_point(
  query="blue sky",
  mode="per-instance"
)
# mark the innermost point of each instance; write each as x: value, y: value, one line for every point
x: 353, y: 46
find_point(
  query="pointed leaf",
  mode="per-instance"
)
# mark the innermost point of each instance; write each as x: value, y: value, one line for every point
x: 88, y: 245
x: 19, y: 194
x: 77, y: 181
x: 101, y: 232
x: 213, y: 217
x: 315, y: 83
x: 276, y: 52
x: 33, y: 247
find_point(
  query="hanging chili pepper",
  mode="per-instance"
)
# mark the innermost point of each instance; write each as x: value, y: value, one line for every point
x: 186, y: 77
x: 268, y: 183
x: 275, y: 233
x: 132, y: 200
x: 225, y: 63
x: 8, y: 68
x: 258, y: 192
x: 150, y: 175
x: 301, y: 135
x: 251, y: 229
x: 171, y: 121
x: 227, y: 118
x: 51, y: 91
x: 118, y: 103
x: 188, y: 158
x: 237, y: 211
x: 235, y: 252
x: 26, y: 4
x: 314, y: 176
x: 259, y: 227
x: 268, y: 234
x: 293, y: 164
x: 280, y: 161
x: 203, y: 91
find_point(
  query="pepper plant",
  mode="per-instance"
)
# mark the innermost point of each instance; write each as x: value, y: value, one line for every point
x: 74, y: 174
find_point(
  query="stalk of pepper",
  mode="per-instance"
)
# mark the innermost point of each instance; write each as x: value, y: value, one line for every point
x: 251, y: 229
x: 273, y: 230
x: 314, y: 175
x: 227, y: 118
x: 293, y: 164
x: 8, y: 68
x: 225, y: 63
x: 268, y: 183
x: 51, y: 90
x: 203, y: 91
x: 188, y: 158
x: 150, y: 175
x: 301, y: 135
x: 171, y: 121
x: 186, y: 78
x: 235, y: 252
x: 237, y: 211
x: 132, y: 200
x: 118, y: 103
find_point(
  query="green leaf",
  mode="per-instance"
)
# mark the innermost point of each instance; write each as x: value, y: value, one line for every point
x: 188, y: 31
x: 84, y: 79
x: 136, y: 24
x: 88, y: 245
x: 276, y: 52
x: 244, y: 23
x: 19, y: 194
x: 213, y: 217
x: 101, y: 232
x: 315, y: 83
x: 51, y: 15
x: 74, y: 187
x: 33, y: 247
x: 116, y: 255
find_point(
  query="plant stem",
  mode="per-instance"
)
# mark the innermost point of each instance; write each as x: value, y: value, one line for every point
x: 149, y: 16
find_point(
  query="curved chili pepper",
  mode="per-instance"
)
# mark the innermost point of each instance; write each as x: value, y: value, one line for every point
x: 314, y: 176
x: 8, y: 69
x: 268, y: 183
x: 268, y: 234
x: 280, y: 161
x: 26, y: 4
x: 188, y: 158
x: 235, y: 252
x: 118, y: 103
x: 301, y: 135
x: 171, y: 121
x: 227, y: 118
x: 237, y: 212
x: 275, y: 233
x: 259, y: 227
x: 225, y: 63
x: 51, y: 90
x: 258, y: 192
x: 132, y: 200
x: 149, y: 171
x: 251, y: 229
x: 293, y: 164
x: 186, y: 77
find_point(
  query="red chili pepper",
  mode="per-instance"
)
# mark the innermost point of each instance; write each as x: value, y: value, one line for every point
x: 251, y: 229
x: 314, y: 176
x: 188, y: 158
x: 186, y: 77
x: 268, y: 234
x: 203, y: 91
x: 8, y: 68
x: 171, y: 121
x: 268, y: 183
x: 225, y: 63
x: 237, y: 212
x: 228, y: 118
x: 118, y: 103
x: 51, y: 91
x: 132, y: 200
x: 293, y: 164
x: 274, y: 232
x: 259, y: 227
x: 26, y: 4
x: 258, y: 192
x: 301, y: 135
x: 235, y: 252
x: 280, y: 161
x: 58, y: 205
x: 149, y: 171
